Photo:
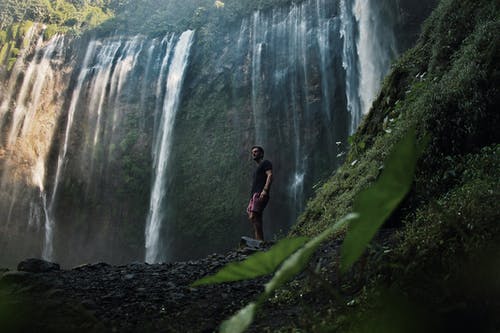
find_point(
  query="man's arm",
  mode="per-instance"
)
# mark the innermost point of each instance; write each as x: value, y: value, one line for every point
x: 269, y: 180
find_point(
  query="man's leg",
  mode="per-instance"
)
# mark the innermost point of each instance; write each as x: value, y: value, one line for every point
x: 256, y: 219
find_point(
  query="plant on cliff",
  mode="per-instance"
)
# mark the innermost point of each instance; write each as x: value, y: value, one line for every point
x: 66, y: 15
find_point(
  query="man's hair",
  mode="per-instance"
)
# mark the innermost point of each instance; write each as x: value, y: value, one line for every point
x: 259, y: 148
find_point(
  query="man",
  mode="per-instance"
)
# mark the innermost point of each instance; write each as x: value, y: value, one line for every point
x: 262, y: 179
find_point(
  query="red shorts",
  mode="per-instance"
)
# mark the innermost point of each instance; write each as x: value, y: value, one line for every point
x: 257, y: 204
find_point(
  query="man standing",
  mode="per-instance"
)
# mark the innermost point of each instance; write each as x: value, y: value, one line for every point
x: 262, y: 179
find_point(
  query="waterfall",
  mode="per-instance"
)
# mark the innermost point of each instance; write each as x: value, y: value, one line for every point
x: 70, y: 116
x: 284, y: 47
x: 168, y: 40
x: 294, y: 76
x: 174, y: 82
x: 368, y: 49
x: 104, y: 72
x: 376, y: 49
x: 30, y: 127
x: 87, y: 122
x: 258, y: 40
x: 36, y: 74
x: 49, y: 216
x: 350, y: 64
x: 16, y: 71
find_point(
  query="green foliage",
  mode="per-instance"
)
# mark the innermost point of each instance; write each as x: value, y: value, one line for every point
x: 296, y: 262
x: 50, y: 31
x: 375, y: 204
x: 259, y: 264
x: 3, y: 37
x: 459, y: 221
x: 3, y: 52
x: 66, y: 15
x: 24, y: 27
x: 290, y: 267
x: 241, y: 320
x: 10, y: 63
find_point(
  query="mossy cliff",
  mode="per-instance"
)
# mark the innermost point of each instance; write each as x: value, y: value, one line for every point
x: 442, y: 262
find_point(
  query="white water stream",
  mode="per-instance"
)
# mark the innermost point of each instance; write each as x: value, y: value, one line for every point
x: 162, y: 147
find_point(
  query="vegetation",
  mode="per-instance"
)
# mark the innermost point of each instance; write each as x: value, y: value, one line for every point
x: 59, y: 16
x: 68, y: 15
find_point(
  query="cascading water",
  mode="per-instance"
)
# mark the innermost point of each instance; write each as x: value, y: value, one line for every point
x: 295, y: 78
x: 163, y: 143
x: 108, y: 68
x: 29, y: 128
x: 16, y: 71
x: 87, y: 123
x: 376, y: 49
x: 369, y: 47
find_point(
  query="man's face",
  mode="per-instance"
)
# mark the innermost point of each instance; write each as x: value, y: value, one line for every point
x: 256, y: 154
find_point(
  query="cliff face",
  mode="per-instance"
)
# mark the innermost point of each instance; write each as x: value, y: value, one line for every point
x: 81, y: 118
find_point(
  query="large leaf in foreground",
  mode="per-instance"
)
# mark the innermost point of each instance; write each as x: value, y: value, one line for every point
x: 290, y: 267
x: 240, y: 321
x: 258, y: 264
x: 375, y: 204
x: 297, y: 261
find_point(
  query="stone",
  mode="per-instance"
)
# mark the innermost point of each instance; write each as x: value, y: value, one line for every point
x: 35, y: 265
x: 16, y: 277
x: 250, y: 242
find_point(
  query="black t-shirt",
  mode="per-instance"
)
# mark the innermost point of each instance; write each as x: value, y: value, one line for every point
x: 259, y: 176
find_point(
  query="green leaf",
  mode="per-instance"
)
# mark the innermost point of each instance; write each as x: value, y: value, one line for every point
x: 375, y: 204
x: 258, y: 264
x: 297, y: 261
x: 293, y: 264
x: 240, y: 321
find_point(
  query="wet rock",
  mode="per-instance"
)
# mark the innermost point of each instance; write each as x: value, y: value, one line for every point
x: 89, y: 304
x: 16, y: 277
x: 138, y: 295
x: 94, y: 266
x: 35, y: 265
x: 250, y: 243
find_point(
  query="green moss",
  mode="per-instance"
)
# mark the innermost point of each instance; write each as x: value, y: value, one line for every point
x: 13, y: 31
x: 24, y: 27
x: 3, y: 37
x: 50, y: 31
x: 10, y: 63
x: 3, y: 52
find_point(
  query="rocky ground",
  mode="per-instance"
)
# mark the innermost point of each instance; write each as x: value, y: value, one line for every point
x: 138, y: 297
x: 135, y: 297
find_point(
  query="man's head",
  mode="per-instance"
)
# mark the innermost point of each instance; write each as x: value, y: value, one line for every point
x: 257, y: 153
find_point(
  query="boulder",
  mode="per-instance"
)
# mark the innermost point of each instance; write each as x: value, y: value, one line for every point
x: 15, y: 277
x: 250, y: 243
x: 34, y: 265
